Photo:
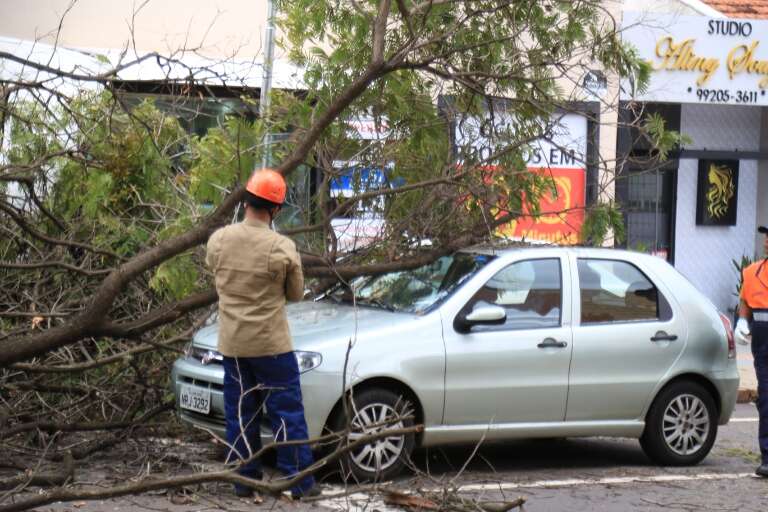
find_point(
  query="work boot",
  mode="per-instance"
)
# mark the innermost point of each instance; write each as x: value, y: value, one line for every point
x: 312, y: 492
x: 242, y: 491
x: 762, y: 470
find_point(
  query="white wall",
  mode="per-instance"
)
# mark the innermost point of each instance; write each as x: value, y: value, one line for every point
x: 682, y: 7
x: 704, y: 253
x: 762, y: 183
x: 217, y: 29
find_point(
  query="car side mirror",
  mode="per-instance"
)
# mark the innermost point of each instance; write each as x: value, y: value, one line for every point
x: 481, y: 315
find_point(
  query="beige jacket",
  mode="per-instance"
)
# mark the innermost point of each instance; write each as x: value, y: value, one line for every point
x: 255, y: 270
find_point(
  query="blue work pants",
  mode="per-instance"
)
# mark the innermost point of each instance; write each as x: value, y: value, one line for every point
x: 250, y: 384
x: 759, y: 331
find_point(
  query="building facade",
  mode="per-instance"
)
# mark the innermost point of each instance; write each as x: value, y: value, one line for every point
x: 721, y: 112
x: 709, y: 81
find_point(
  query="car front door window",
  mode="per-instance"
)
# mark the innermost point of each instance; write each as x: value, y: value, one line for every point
x: 530, y: 292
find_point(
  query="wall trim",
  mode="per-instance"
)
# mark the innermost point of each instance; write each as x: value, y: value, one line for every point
x: 719, y: 154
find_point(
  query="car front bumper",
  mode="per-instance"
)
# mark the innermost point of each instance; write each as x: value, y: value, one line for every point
x: 320, y: 392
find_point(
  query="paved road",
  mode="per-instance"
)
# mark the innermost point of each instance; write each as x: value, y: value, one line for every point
x: 607, y: 474
x: 554, y: 475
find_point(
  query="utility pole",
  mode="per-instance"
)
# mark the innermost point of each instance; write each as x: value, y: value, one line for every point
x: 266, y: 83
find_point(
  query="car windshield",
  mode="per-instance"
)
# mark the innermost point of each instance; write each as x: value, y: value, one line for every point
x: 416, y: 290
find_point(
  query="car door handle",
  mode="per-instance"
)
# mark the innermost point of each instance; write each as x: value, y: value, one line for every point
x: 552, y: 343
x: 662, y: 336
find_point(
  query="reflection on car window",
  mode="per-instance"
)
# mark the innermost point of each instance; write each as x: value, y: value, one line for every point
x: 530, y: 291
x: 615, y: 291
x: 414, y: 291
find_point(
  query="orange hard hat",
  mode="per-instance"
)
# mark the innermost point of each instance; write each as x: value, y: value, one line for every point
x: 267, y: 184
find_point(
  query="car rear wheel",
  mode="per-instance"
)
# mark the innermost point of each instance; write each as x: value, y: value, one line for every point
x: 681, y: 425
x: 373, y: 411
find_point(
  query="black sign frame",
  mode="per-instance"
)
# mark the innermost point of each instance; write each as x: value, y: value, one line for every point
x: 717, y: 192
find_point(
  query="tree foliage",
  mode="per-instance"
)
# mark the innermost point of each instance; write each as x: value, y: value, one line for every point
x: 106, y: 199
x: 112, y: 200
x: 106, y: 203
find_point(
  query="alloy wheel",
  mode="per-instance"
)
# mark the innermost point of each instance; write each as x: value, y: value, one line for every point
x: 686, y: 424
x: 381, y: 453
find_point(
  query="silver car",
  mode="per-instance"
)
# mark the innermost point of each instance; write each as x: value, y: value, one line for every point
x: 503, y: 344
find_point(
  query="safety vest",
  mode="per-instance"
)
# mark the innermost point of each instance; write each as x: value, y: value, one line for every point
x: 754, y: 290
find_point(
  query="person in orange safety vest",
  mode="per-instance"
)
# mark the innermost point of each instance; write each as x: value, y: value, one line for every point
x: 752, y: 326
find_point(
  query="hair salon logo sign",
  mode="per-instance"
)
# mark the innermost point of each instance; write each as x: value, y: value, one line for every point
x: 701, y: 60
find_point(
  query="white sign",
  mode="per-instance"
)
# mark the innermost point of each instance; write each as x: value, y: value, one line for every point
x: 565, y: 146
x: 368, y: 128
x: 700, y: 59
x: 358, y: 232
x: 596, y: 83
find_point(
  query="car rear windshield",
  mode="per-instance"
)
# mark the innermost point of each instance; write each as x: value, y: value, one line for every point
x: 415, y: 290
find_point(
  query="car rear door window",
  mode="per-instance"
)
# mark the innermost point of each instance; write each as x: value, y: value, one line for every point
x: 530, y: 291
x: 617, y: 291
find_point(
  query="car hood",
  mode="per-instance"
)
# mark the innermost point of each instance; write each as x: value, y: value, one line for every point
x: 314, y: 324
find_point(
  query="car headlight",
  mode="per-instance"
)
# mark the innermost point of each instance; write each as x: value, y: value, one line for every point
x: 212, y: 319
x: 203, y: 355
x: 308, y: 360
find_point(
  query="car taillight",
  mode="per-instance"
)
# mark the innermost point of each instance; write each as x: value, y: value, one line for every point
x: 729, y: 334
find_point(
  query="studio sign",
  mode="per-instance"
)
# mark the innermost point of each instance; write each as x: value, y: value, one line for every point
x: 681, y: 56
x: 729, y: 28
x: 700, y: 60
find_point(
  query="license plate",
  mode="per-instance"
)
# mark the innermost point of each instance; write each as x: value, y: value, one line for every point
x: 195, y: 399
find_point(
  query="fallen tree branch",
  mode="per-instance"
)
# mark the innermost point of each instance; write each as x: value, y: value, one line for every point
x: 42, y: 479
x: 96, y: 363
x: 228, y: 475
x: 50, y: 426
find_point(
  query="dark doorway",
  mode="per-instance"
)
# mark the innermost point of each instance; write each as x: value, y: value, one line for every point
x: 646, y: 187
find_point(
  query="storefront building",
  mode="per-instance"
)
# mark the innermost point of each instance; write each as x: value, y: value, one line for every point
x: 710, y: 82
x: 701, y: 208
x: 564, y: 155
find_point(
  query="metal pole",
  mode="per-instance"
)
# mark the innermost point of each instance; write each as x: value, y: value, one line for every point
x: 266, y: 84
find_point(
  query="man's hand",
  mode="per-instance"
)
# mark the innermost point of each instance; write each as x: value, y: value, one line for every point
x: 741, y: 332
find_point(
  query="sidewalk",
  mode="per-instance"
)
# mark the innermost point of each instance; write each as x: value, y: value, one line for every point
x: 747, y: 380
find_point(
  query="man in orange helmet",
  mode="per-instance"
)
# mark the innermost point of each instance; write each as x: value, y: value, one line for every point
x: 753, y: 326
x: 256, y: 270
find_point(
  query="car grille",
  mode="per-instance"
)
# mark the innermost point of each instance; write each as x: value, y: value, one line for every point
x: 202, y: 383
x: 217, y: 417
x: 211, y: 416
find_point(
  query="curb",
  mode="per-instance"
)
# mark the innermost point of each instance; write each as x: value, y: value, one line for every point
x: 746, y: 396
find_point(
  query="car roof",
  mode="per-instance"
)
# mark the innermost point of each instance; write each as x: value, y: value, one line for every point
x: 514, y: 246
x: 502, y: 246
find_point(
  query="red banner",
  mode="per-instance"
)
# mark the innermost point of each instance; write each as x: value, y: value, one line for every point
x: 560, y: 216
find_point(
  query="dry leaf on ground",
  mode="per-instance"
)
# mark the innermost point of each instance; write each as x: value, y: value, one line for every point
x: 409, y: 501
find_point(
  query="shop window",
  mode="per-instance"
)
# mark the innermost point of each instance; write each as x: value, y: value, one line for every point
x: 198, y: 108
x: 645, y: 186
x: 646, y: 200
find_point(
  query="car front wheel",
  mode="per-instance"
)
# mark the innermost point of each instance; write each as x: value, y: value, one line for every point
x: 681, y: 425
x: 374, y: 411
